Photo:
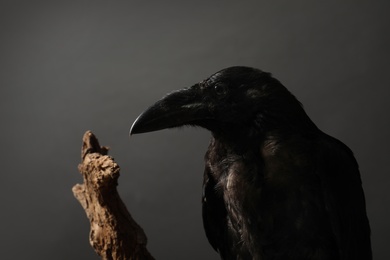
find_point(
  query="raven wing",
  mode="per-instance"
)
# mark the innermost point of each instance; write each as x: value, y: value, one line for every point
x: 344, y: 198
x: 214, y: 216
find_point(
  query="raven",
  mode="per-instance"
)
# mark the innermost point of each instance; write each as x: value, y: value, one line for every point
x: 275, y: 186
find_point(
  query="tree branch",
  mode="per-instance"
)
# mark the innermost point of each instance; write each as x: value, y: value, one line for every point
x: 114, y: 233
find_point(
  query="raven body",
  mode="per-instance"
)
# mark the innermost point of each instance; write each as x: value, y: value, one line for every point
x: 275, y: 186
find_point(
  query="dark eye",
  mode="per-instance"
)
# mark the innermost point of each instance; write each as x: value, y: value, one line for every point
x: 220, y: 89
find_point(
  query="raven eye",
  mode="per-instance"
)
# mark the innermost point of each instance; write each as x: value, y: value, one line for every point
x: 220, y: 89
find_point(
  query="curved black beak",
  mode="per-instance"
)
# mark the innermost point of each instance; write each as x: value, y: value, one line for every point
x: 182, y: 107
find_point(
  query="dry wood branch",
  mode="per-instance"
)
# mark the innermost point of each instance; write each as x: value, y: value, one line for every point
x: 114, y: 233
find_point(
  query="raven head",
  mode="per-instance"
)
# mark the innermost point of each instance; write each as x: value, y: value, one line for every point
x: 233, y: 98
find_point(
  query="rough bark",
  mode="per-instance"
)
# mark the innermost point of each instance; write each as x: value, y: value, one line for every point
x: 114, y: 233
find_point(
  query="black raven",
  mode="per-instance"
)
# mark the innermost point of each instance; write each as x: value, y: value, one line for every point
x: 275, y: 186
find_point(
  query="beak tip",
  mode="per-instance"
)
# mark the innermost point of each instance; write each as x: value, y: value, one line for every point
x: 133, y: 127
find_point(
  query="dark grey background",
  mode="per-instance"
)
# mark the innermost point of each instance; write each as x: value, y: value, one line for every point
x: 70, y: 66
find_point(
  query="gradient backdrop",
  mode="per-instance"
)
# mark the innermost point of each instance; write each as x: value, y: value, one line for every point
x: 70, y: 66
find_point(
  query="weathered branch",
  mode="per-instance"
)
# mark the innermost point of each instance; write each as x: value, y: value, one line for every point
x: 114, y: 233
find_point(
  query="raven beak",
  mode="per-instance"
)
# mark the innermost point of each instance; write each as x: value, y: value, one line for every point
x: 182, y: 107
